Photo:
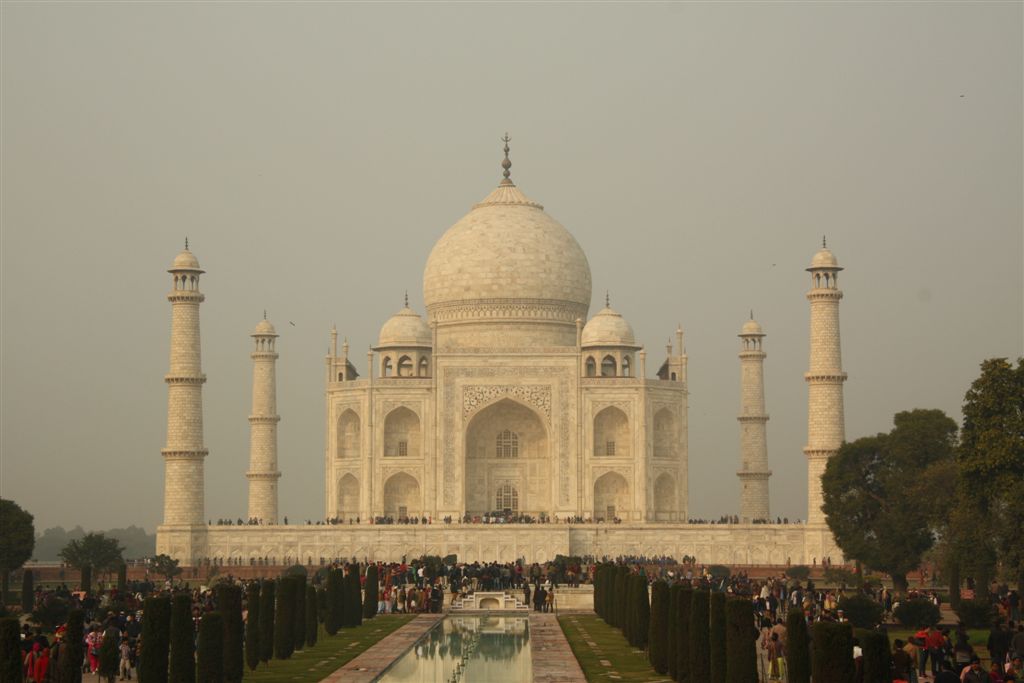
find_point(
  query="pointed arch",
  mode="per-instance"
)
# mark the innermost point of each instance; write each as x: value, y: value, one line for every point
x: 666, y: 434
x: 402, y: 496
x: 608, y: 366
x: 611, y: 433
x: 405, y: 367
x: 348, y: 497
x: 349, y: 444
x: 386, y: 367
x: 611, y: 497
x: 591, y: 367
x: 424, y: 368
x: 664, y: 497
x: 402, y: 434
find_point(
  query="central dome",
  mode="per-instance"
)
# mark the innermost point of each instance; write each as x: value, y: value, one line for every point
x: 508, y: 260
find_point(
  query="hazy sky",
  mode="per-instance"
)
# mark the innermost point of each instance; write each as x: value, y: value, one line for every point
x: 313, y: 153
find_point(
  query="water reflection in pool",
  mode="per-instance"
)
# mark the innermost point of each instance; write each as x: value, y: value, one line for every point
x: 468, y: 649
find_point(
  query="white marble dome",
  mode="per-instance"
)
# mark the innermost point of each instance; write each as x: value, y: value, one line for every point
x: 824, y: 259
x: 185, y: 261
x: 608, y: 328
x: 507, y: 259
x: 264, y: 328
x: 752, y: 327
x: 405, y: 328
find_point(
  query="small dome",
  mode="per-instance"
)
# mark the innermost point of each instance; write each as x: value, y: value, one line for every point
x: 751, y: 327
x: 185, y: 261
x: 264, y: 328
x: 608, y: 328
x: 405, y: 328
x: 824, y: 259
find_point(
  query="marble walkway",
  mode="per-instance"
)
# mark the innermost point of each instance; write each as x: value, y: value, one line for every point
x: 552, y: 658
x: 376, y: 659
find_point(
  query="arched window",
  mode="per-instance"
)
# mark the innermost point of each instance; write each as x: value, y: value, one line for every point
x: 387, y: 368
x: 625, y: 366
x: 507, y: 445
x: 591, y: 367
x: 424, y: 367
x: 405, y: 366
x: 507, y: 499
x: 608, y: 367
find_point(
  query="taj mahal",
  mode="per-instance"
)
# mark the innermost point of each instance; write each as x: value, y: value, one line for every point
x: 506, y: 398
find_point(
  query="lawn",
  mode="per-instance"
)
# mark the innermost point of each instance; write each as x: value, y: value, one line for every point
x: 978, y: 638
x: 625, y: 662
x: 329, y: 654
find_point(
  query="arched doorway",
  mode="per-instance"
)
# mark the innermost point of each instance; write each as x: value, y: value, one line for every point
x: 348, y: 498
x: 611, y: 497
x: 664, y: 497
x: 507, y: 445
x: 402, y: 496
x: 348, y: 435
x: 402, y: 434
x: 611, y: 434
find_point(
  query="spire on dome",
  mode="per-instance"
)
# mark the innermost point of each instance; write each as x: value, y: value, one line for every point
x: 407, y: 298
x: 186, y: 243
x: 507, y: 163
x: 607, y: 299
x: 824, y: 245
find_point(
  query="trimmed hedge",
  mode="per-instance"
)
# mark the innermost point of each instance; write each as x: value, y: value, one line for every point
x: 917, y: 613
x: 717, y: 638
x: 267, y: 590
x: 370, y: 593
x: 977, y: 613
x: 156, y: 639
x: 72, y: 652
x: 335, y: 601
x: 700, y: 637
x: 740, y: 641
x: 833, y: 644
x: 182, y: 664
x: 311, y: 617
x: 619, y: 597
x: 683, y: 636
x: 659, y: 628
x: 210, y: 649
x: 642, y: 621
x: 284, y: 619
x: 673, y: 631
x: 252, y: 625
x: 353, y: 598
x: 299, y: 623
x: 798, y: 647
x: 862, y: 611
x: 876, y: 661
x: 229, y: 604
x: 10, y: 649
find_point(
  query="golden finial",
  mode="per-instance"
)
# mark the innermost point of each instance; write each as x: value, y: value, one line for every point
x: 407, y: 298
x: 607, y: 299
x: 823, y: 244
x: 507, y: 163
x: 186, y: 244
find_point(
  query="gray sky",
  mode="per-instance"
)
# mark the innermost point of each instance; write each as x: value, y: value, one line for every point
x: 314, y: 153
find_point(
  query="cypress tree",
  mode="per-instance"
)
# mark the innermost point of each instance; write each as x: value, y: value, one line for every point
x: 335, y: 601
x: 321, y: 605
x: 683, y: 636
x: 182, y: 664
x: 156, y: 639
x: 700, y: 637
x: 72, y: 652
x: 627, y: 610
x: 311, y: 616
x: 717, y: 637
x: 122, y: 577
x: 10, y: 649
x: 740, y: 642
x: 642, y: 620
x: 598, y: 608
x: 229, y: 604
x: 877, y: 656
x: 621, y: 586
x: 86, y: 578
x: 353, y: 598
x: 798, y: 650
x: 832, y: 645
x: 210, y: 649
x: 109, y: 659
x: 658, y: 630
x: 299, y: 611
x: 284, y: 619
x: 266, y: 626
x: 252, y: 625
x: 370, y: 593
x: 28, y: 598
x: 673, y: 630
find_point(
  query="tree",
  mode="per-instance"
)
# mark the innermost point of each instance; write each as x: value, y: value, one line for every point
x: 165, y: 566
x: 252, y: 625
x: 93, y: 552
x: 85, y: 579
x: 335, y: 601
x: 353, y: 598
x: 181, y: 667
x: 311, y: 616
x: 717, y: 637
x: 17, y: 540
x: 156, y: 639
x: 876, y: 658
x: 620, y: 590
x: 658, y: 630
x: 299, y: 611
x: 370, y: 593
x: 210, y: 649
x: 833, y: 644
x: 72, y: 652
x: 700, y: 633
x: 798, y: 572
x: 229, y: 604
x: 798, y: 652
x: 740, y: 639
x: 991, y: 466
x: 861, y: 611
x: 685, y: 605
x: 266, y: 625
x: 673, y: 630
x: 873, y: 502
x: 27, y: 594
x: 10, y: 649
x: 122, y: 577
x: 284, y: 619
x: 917, y: 613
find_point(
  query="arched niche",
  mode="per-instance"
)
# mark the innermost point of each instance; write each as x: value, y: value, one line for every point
x: 611, y: 434
x: 402, y: 496
x: 666, y: 434
x: 664, y: 497
x: 608, y: 366
x: 348, y: 497
x: 402, y: 434
x: 348, y: 435
x: 405, y: 367
x: 611, y: 497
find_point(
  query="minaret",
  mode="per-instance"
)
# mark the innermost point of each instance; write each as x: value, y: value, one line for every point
x: 263, y: 473
x: 754, y: 470
x: 184, y: 454
x: 825, y: 422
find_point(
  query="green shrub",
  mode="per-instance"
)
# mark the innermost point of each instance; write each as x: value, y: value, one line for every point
x: 685, y: 605
x: 335, y: 601
x: 182, y: 664
x: 311, y: 618
x: 798, y: 572
x: 835, y: 576
x: 252, y: 625
x: 229, y: 604
x: 267, y: 610
x: 28, y: 597
x: 876, y: 661
x: 862, y: 611
x: 917, y: 613
x: 700, y: 637
x: 798, y: 650
x: 10, y: 649
x: 719, y: 572
x: 717, y: 638
x: 299, y: 611
x: 832, y: 661
x: 156, y: 639
x: 284, y: 619
x: 740, y: 641
x: 672, y: 635
x: 69, y: 666
x: 977, y: 613
x: 370, y: 593
x: 657, y: 653
x: 210, y: 649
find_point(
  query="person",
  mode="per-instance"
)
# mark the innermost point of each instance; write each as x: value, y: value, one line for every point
x: 1017, y: 644
x: 996, y: 673
x: 776, y: 658
x: 963, y: 653
x: 29, y: 663
x: 974, y: 673
x: 125, y: 667
x: 999, y: 640
x: 42, y: 665
x: 93, y: 641
x: 934, y: 642
x: 947, y: 675
x: 902, y: 664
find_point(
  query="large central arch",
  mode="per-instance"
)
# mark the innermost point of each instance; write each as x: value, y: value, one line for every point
x: 507, y: 445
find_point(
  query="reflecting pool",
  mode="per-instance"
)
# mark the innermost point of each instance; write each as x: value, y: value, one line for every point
x: 468, y: 649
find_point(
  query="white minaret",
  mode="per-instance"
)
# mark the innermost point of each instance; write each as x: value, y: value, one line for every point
x: 826, y: 429
x: 263, y: 473
x: 184, y: 454
x: 754, y: 470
